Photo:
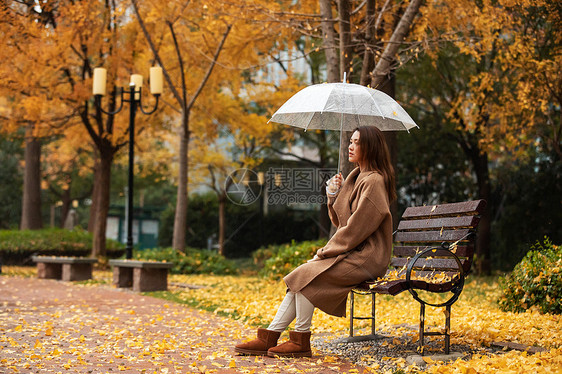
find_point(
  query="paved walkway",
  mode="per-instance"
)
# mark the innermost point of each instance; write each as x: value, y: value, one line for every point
x: 49, y: 326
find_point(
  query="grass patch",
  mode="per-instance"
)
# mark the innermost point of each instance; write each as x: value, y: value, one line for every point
x: 19, y: 271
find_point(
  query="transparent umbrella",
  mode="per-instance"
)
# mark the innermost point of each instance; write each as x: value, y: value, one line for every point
x: 342, y: 106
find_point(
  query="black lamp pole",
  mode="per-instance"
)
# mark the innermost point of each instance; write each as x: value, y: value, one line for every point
x: 130, y: 179
x: 135, y: 101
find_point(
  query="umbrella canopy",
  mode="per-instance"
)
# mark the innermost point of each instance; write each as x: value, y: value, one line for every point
x: 342, y: 106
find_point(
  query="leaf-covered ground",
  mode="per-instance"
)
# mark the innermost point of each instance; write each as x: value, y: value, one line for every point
x: 476, y: 320
x: 49, y: 326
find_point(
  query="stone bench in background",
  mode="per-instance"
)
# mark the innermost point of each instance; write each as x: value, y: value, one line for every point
x: 142, y: 276
x: 64, y: 268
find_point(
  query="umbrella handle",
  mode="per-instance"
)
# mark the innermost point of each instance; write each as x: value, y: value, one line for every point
x: 341, y: 127
x: 340, y: 148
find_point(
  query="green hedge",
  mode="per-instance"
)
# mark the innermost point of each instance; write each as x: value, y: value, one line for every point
x: 193, y: 261
x: 535, y: 281
x: 17, y: 246
x: 247, y: 229
x: 276, y: 261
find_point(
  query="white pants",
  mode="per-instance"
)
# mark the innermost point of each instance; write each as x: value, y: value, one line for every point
x: 293, y: 305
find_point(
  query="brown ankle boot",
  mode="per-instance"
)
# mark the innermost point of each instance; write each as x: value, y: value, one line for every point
x: 297, y: 346
x: 259, y: 346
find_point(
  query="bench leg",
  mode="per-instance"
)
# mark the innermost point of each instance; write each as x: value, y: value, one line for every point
x: 351, y: 311
x: 150, y: 279
x: 446, y: 334
x: 373, y: 303
x: 422, y: 326
x: 49, y: 270
x: 447, y: 328
x: 76, y: 272
x: 122, y: 276
x: 352, y: 338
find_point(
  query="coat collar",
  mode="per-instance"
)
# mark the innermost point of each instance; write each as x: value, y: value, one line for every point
x: 358, y: 174
x: 342, y: 204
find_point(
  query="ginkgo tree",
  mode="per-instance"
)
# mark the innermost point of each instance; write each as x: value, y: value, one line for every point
x: 30, y: 87
x: 513, y: 77
x: 230, y: 145
x: 84, y: 35
x: 54, y: 47
x: 496, y: 91
x: 203, y: 49
x: 361, y: 40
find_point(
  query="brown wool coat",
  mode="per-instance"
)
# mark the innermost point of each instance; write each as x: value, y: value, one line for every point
x: 359, y: 250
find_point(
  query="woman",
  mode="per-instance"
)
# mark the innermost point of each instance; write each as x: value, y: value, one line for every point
x: 359, y: 250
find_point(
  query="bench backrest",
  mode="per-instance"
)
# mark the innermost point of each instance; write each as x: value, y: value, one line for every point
x: 429, y: 226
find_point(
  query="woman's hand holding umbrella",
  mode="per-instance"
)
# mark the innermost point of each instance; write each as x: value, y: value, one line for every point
x: 334, y: 184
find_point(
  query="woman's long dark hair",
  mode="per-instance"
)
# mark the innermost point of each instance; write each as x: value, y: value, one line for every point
x: 375, y: 156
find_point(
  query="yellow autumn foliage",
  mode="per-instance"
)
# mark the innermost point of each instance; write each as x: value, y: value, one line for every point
x: 476, y: 319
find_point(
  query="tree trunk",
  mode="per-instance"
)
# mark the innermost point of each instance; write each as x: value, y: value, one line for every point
x: 333, y: 75
x: 180, y: 220
x: 369, y: 55
x: 383, y: 79
x: 389, y: 88
x: 222, y: 222
x: 480, y: 162
x: 345, y: 165
x: 65, y: 207
x: 383, y: 67
x: 31, y: 205
x: 329, y: 42
x: 346, y: 51
x: 102, y: 205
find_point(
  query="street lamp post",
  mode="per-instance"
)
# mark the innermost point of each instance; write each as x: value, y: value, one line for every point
x: 133, y: 95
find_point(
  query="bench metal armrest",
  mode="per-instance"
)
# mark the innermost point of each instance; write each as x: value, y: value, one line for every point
x: 457, y: 286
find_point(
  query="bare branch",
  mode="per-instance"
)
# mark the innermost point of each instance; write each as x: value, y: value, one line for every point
x: 156, y: 53
x: 210, y: 70
x: 382, y: 69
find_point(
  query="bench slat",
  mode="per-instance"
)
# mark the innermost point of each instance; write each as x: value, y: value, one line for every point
x: 433, y: 287
x: 394, y: 287
x: 419, y: 273
x: 141, y: 264
x: 426, y: 274
x: 64, y: 260
x: 431, y: 236
x: 412, y: 250
x: 438, y: 264
x: 438, y: 223
x: 476, y: 206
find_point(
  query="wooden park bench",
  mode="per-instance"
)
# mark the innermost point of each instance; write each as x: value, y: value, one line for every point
x: 142, y: 276
x: 433, y: 251
x: 64, y: 268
